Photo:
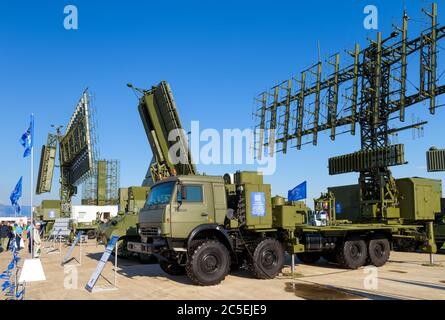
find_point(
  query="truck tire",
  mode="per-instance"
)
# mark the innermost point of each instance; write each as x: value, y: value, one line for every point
x: 171, y: 268
x: 208, y: 264
x: 378, y: 251
x: 122, y: 252
x: 91, y: 234
x: 352, y: 254
x: 309, y: 257
x: 267, y: 259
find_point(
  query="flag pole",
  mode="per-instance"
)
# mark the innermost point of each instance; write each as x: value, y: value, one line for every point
x: 31, y: 188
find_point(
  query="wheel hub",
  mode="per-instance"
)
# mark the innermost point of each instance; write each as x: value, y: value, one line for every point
x: 355, y: 252
x: 268, y: 259
x: 210, y: 263
x: 379, y: 250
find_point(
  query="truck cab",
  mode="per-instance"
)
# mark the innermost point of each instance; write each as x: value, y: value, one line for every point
x: 205, y: 226
x: 179, y: 204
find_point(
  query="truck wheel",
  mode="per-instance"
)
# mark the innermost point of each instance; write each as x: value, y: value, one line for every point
x: 352, y: 254
x: 171, y: 268
x: 267, y: 259
x: 122, y: 251
x: 208, y: 264
x: 378, y: 251
x: 309, y: 257
x: 91, y: 234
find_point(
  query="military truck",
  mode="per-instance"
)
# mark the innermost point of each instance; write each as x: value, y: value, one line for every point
x: 131, y: 199
x: 47, y: 213
x: 206, y: 225
x: 160, y: 117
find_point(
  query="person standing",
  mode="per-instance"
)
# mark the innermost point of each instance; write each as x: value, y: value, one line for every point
x: 11, y: 235
x: 29, y: 229
x: 18, y: 234
x: 36, y: 240
x: 4, y: 237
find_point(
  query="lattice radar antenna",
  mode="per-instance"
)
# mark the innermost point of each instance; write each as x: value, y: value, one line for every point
x: 77, y: 153
x: 375, y: 87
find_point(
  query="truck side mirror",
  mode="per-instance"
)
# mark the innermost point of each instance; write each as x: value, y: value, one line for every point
x: 182, y: 194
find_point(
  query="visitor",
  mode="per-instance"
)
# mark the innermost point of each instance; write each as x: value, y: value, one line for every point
x: 36, y: 240
x: 18, y: 230
x: 29, y: 229
x: 11, y: 235
x: 4, y: 237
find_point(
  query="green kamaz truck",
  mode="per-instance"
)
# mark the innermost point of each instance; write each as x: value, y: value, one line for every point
x: 205, y: 225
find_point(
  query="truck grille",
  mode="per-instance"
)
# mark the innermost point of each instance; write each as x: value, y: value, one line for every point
x: 151, y: 232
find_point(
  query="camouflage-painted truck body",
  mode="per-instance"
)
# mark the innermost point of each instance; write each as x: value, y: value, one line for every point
x: 201, y: 224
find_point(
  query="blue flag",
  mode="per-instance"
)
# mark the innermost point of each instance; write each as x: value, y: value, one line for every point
x: 298, y: 193
x: 27, y: 138
x: 15, y: 196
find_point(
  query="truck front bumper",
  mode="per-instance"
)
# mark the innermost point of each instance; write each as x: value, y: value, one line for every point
x: 139, y: 247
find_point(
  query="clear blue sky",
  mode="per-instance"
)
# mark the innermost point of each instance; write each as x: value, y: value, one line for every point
x: 217, y: 55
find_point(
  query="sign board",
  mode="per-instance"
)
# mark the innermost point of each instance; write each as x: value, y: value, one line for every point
x: 258, y: 204
x: 73, y: 245
x: 338, y: 208
x: 100, y: 266
x: 298, y: 193
x: 61, y: 228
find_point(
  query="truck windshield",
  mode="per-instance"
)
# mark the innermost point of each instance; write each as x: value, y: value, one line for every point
x: 160, y: 194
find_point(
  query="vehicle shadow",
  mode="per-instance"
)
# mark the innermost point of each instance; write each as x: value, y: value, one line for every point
x: 121, y: 262
x: 417, y: 283
x: 151, y: 270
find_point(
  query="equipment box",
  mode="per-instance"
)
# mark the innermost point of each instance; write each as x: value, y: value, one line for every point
x: 288, y: 216
x: 419, y: 198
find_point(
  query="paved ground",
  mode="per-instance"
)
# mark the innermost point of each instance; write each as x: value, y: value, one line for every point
x: 404, y: 277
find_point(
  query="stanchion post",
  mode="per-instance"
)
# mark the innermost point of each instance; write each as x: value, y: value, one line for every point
x: 115, y: 265
x: 292, y: 269
x: 431, y: 241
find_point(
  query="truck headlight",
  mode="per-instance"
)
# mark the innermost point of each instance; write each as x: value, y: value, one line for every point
x: 159, y: 231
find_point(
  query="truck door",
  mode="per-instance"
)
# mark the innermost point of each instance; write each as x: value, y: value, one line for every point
x: 220, y: 203
x: 192, y: 212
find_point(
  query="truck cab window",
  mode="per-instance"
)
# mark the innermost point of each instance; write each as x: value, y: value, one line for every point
x: 160, y: 194
x: 193, y: 193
